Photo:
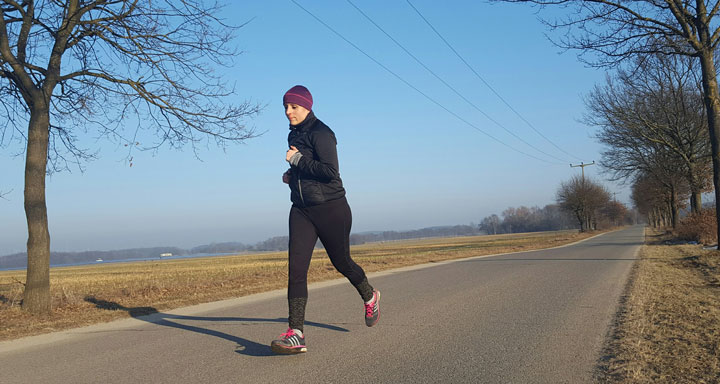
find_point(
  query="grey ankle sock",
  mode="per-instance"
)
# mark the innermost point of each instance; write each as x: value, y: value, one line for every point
x: 296, y: 312
x: 365, y: 290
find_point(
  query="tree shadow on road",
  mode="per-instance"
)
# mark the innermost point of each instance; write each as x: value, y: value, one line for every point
x: 245, y: 346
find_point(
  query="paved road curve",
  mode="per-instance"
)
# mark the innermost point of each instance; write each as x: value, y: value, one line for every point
x: 533, y: 317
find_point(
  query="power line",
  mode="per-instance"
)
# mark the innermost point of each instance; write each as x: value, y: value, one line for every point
x: 448, y: 85
x: 413, y: 87
x: 486, y: 83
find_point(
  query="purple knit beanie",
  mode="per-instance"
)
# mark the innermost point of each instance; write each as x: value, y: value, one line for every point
x: 299, y: 95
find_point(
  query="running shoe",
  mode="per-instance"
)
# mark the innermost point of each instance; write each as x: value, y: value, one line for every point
x: 290, y: 342
x: 372, y: 309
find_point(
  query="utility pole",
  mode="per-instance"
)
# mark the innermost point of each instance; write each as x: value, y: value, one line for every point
x: 582, y: 166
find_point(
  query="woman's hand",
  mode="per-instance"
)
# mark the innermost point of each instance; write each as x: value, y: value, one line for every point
x: 286, y: 177
x: 290, y: 152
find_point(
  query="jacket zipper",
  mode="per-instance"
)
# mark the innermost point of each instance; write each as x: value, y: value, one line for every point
x: 300, y: 192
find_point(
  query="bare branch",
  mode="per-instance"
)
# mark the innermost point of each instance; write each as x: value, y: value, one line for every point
x: 110, y: 60
x: 19, y: 75
x: 619, y: 30
x: 27, y: 18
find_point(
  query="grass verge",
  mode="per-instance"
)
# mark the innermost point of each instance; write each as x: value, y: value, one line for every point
x: 84, y: 295
x: 668, y: 328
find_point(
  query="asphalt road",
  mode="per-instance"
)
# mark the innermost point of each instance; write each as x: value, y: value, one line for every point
x: 532, y: 317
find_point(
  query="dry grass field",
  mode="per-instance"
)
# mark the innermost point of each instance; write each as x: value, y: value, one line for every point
x: 668, y: 330
x: 84, y: 295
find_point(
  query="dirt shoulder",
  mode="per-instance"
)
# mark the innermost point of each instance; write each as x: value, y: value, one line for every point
x: 668, y: 327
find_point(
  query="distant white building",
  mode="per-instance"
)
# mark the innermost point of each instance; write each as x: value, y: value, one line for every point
x: 166, y: 254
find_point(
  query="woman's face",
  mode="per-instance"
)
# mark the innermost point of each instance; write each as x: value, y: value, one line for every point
x: 295, y: 113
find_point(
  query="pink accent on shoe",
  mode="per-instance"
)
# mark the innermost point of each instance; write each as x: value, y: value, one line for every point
x: 288, y: 334
x: 369, y: 306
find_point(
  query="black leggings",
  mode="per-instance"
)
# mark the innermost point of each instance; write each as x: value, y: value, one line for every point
x: 331, y: 223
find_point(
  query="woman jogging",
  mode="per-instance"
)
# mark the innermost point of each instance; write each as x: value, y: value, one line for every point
x: 319, y: 210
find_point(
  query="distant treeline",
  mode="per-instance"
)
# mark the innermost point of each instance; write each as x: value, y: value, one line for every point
x: 524, y: 219
x: 279, y: 243
x: 457, y: 230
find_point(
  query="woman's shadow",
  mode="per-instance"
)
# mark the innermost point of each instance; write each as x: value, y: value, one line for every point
x: 244, y: 346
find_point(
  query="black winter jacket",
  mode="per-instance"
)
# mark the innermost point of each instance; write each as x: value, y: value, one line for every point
x: 316, y: 177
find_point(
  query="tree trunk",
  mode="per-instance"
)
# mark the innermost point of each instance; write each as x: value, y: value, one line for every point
x: 695, y: 202
x: 674, y: 211
x: 651, y: 218
x: 712, y: 103
x: 36, y: 298
x: 665, y: 220
x: 695, y: 188
x: 581, y: 219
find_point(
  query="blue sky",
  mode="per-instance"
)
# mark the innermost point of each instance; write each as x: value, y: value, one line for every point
x: 405, y: 162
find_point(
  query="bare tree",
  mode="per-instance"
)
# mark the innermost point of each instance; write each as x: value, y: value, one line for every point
x: 655, y: 199
x: 608, y: 32
x: 674, y: 186
x: 520, y: 219
x: 74, y: 66
x: 657, y: 105
x: 490, y: 224
x: 644, y: 198
x: 615, y: 212
x: 583, y: 198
